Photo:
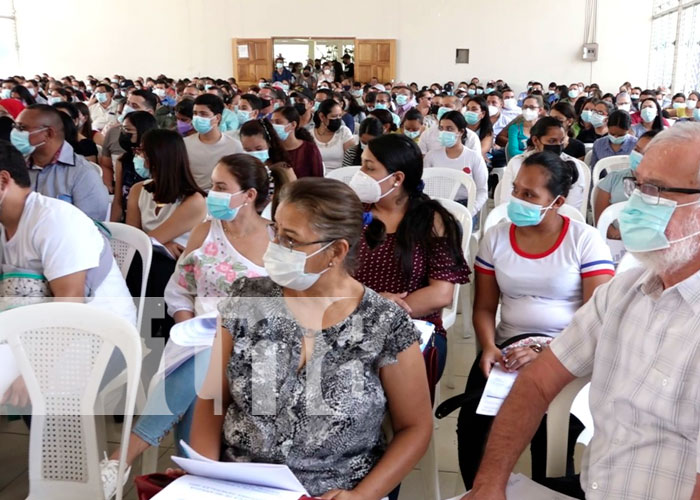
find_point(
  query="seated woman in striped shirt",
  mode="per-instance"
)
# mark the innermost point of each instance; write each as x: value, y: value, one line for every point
x: 541, y: 267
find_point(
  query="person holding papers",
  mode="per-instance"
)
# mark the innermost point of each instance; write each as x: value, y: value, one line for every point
x: 306, y: 362
x: 541, y: 267
x: 219, y: 251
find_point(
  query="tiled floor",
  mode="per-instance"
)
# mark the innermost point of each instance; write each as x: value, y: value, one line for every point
x: 14, y: 442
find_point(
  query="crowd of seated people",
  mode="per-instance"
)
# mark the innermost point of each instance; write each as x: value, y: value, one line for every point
x: 228, y: 183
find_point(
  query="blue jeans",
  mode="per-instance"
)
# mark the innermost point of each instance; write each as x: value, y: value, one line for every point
x: 180, y: 393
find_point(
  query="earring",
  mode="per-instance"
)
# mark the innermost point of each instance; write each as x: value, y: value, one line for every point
x: 396, y: 184
x: 330, y: 264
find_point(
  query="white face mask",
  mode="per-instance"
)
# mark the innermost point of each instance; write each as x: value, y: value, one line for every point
x: 494, y: 110
x: 691, y: 104
x: 287, y: 267
x: 368, y: 189
x: 530, y: 114
x: 624, y: 107
x: 510, y: 103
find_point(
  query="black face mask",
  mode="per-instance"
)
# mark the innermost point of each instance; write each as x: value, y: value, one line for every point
x: 554, y: 148
x: 335, y: 124
x: 125, y: 142
x: 434, y: 109
x: 306, y: 73
x: 265, y: 102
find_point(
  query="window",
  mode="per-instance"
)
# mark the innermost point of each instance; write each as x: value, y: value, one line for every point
x: 8, y: 35
x: 674, y: 58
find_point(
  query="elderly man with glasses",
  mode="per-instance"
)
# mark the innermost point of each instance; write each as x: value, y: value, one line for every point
x: 638, y: 339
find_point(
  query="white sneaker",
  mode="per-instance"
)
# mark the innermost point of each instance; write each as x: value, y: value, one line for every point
x: 109, y: 471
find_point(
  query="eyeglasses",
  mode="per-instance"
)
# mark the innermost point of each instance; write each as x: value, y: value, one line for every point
x: 652, y: 192
x: 531, y: 107
x: 286, y: 242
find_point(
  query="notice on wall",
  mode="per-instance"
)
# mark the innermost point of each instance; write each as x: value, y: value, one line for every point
x: 243, y: 51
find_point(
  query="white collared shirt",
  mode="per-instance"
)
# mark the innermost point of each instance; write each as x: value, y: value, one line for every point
x: 641, y: 344
x: 430, y: 140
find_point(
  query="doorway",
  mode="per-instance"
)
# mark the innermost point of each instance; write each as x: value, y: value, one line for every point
x: 307, y: 50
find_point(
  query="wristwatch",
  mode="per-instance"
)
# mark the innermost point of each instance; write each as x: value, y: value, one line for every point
x: 537, y: 347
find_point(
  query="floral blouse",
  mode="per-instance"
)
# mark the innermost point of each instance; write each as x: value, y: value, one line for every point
x: 205, y: 275
x: 325, y: 420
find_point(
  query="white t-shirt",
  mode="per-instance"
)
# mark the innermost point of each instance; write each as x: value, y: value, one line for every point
x: 540, y: 293
x: 576, y: 193
x: 430, y: 140
x: 332, y: 152
x: 469, y: 162
x: 204, y: 157
x: 55, y: 239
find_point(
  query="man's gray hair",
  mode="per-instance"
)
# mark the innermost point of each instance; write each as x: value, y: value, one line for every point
x: 622, y: 94
x: 680, y: 133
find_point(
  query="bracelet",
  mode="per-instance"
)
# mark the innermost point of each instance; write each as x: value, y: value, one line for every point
x: 536, y: 347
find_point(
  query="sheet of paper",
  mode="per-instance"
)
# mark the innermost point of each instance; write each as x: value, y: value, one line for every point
x: 266, y: 475
x: 523, y: 488
x: 426, y: 330
x: 202, y: 488
x: 198, y: 331
x: 497, y: 388
x: 8, y: 368
x: 243, y: 51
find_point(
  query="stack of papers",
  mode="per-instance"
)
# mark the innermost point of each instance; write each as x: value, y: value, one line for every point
x: 497, y: 388
x: 426, y: 329
x: 523, y: 488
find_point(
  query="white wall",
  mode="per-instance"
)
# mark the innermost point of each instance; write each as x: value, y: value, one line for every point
x: 510, y: 39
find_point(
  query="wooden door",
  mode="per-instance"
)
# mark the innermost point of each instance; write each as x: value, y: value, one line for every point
x: 252, y: 60
x: 375, y: 58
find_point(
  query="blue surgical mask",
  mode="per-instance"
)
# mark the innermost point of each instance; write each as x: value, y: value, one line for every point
x: 380, y: 105
x: 441, y: 111
x: 127, y: 109
x: 54, y: 99
x: 101, y: 96
x: 275, y: 106
x: 617, y: 140
x: 411, y: 134
x: 598, y: 120
x: 696, y: 114
x: 281, y: 131
x: 586, y: 115
x: 648, y: 114
x: 316, y: 105
x: 524, y: 214
x: 5, y: 93
x: 263, y: 155
x: 401, y: 100
x: 471, y: 92
x: 218, y: 205
x: 635, y: 159
x: 643, y: 225
x: 573, y: 94
x: 20, y: 140
x: 243, y: 116
x: 472, y: 117
x: 140, y: 167
x: 447, y: 138
x: 479, y: 91
x: 489, y: 90
x: 202, y: 124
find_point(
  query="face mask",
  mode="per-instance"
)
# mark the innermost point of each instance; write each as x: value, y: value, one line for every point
x: 53, y: 100
x: 275, y: 106
x: 447, y: 139
x: 494, y: 110
x: 279, y: 65
x: 334, y: 124
x: 207, y: 86
x: 648, y: 114
x: 357, y: 93
x: 586, y: 115
x: 262, y: 85
x: 243, y: 116
x: 625, y: 107
x: 471, y: 92
x: 678, y: 105
x: 635, y: 97
x: 472, y: 117
x: 554, y: 148
x: 411, y: 134
x: 218, y: 205
x: 489, y: 90
x: 510, y: 103
x: 317, y: 104
x: 326, y: 72
x: 263, y: 155
x: 643, y: 226
x: 281, y: 131
x: 381, y: 105
x: 201, y: 124
x: 401, y: 100
x: 159, y: 92
x: 20, y: 140
x: 32, y: 91
x: 306, y: 73
x: 635, y: 159
x: 183, y: 127
x: 101, y: 97
x: 285, y: 87
x: 530, y: 114
x: 479, y: 91
x: 368, y: 189
x: 287, y: 267
x: 573, y: 94
x: 140, y: 167
x: 441, y: 112
x: 598, y: 120
x: 523, y: 213
x: 617, y: 140
x: 5, y: 93
x: 696, y: 114
x: 691, y: 104
x: 127, y: 109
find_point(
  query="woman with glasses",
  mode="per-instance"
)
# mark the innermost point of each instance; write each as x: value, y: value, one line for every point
x: 229, y: 246
x: 306, y: 361
x: 519, y: 133
x: 598, y: 118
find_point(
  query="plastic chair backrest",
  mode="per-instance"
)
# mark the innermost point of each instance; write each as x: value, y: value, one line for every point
x: 609, y: 215
x: 441, y: 182
x: 62, y: 350
x: 558, y: 427
x: 610, y: 164
x: 588, y: 157
x: 500, y: 213
x: 585, y: 171
x: 343, y: 174
x: 126, y: 241
x: 464, y: 218
x: 588, y: 146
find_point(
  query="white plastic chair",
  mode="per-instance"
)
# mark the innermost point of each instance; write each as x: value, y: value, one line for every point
x: 343, y: 174
x: 500, y: 213
x: 558, y: 427
x: 585, y: 172
x: 62, y: 350
x: 588, y: 157
x: 609, y: 215
x: 610, y: 164
x: 441, y: 182
x: 588, y: 146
